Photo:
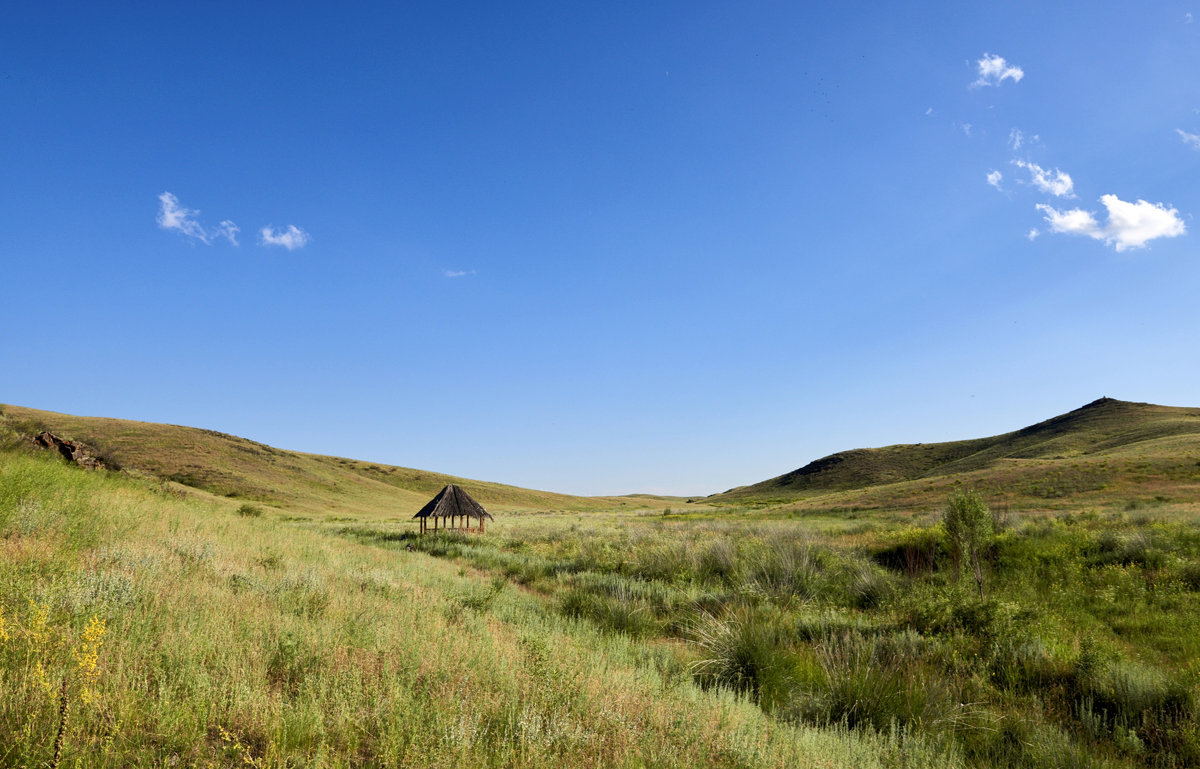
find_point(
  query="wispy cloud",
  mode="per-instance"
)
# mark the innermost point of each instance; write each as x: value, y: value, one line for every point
x: 1017, y: 139
x: 994, y: 70
x: 457, y: 273
x: 994, y: 178
x: 291, y: 238
x: 1057, y: 183
x: 172, y: 215
x: 1130, y: 225
x: 1033, y: 233
x: 1191, y: 140
x: 228, y: 230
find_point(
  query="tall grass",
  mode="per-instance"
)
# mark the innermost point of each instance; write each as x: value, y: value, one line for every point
x: 867, y: 630
x: 231, y: 640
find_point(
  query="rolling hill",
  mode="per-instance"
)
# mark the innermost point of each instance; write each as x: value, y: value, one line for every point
x: 1106, y: 453
x: 1106, y: 446
x: 210, y: 462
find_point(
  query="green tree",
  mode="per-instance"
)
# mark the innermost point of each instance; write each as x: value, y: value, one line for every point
x: 969, y: 527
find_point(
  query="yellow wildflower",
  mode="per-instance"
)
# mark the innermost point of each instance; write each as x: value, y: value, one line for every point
x: 42, y: 680
x: 3, y: 627
x: 39, y: 620
x: 87, y: 657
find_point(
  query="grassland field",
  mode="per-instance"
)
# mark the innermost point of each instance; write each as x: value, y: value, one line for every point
x: 145, y: 625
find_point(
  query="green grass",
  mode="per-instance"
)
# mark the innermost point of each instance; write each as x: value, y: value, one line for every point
x: 1092, y: 455
x: 231, y: 640
x: 143, y: 624
x: 1082, y: 653
x: 207, y: 463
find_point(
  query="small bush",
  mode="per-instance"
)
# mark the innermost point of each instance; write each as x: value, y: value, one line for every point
x: 248, y: 510
x: 917, y: 553
x: 741, y: 651
x: 1027, y: 666
x: 630, y: 617
x: 1134, y: 549
x: 478, y: 598
x: 290, y: 662
x: 873, y: 682
x: 1129, y: 695
x: 717, y: 562
x: 787, y: 569
x: 1190, y: 576
x: 969, y: 530
x: 869, y: 587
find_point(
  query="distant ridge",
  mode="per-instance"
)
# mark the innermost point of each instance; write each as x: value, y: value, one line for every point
x: 224, y: 465
x: 1104, y: 426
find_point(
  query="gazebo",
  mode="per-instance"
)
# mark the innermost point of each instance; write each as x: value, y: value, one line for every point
x: 456, y: 505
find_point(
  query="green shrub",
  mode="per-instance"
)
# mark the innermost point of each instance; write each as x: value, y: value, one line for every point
x: 873, y: 681
x: 1190, y: 576
x: 1132, y: 549
x: 627, y: 616
x: 787, y: 569
x: 717, y: 563
x: 1129, y: 695
x: 869, y: 587
x: 290, y: 662
x: 915, y: 553
x: 248, y: 510
x: 1026, y: 665
x: 741, y: 651
x: 969, y: 529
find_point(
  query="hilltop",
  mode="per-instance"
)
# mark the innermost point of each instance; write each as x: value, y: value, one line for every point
x: 1109, y: 452
x: 210, y: 462
x: 1107, y: 445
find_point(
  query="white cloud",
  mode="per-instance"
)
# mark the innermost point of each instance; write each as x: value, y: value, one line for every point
x: 1187, y: 18
x: 966, y: 128
x: 994, y: 70
x: 1057, y: 183
x: 994, y: 178
x: 173, y: 216
x: 1018, y: 139
x: 457, y: 273
x: 1191, y: 140
x: 929, y: 111
x: 1130, y: 225
x: 228, y: 230
x: 1033, y: 233
x: 291, y: 238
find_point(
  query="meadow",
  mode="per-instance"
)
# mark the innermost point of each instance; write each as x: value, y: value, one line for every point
x: 141, y: 628
x: 145, y: 623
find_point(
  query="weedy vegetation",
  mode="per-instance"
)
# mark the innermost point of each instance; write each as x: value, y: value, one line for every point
x: 144, y: 627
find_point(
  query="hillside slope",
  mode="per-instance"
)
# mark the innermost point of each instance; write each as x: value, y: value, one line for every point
x: 229, y: 466
x: 1106, y: 434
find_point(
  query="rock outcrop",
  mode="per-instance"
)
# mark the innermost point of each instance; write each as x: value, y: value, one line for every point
x: 73, y: 451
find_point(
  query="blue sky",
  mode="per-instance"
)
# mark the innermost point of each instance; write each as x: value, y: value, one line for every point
x: 599, y: 248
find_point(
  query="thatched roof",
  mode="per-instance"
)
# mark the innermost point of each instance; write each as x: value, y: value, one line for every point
x: 453, y: 501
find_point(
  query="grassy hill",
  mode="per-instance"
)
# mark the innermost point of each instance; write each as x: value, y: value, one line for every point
x: 142, y: 626
x: 1105, y: 448
x: 228, y: 466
